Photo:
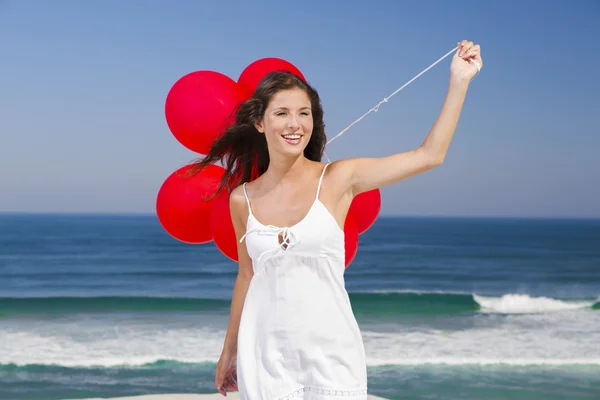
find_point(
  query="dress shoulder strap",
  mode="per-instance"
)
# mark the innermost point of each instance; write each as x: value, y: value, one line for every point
x: 247, y: 199
x: 321, y: 180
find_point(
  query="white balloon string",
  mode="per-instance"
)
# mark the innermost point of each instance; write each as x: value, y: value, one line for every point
x: 376, y: 108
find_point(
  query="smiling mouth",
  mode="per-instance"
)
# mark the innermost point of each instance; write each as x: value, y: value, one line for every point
x: 292, y: 139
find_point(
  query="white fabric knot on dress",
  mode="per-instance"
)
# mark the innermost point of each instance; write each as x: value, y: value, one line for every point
x: 285, y: 236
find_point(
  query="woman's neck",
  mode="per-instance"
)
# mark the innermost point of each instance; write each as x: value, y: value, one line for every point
x: 285, y: 170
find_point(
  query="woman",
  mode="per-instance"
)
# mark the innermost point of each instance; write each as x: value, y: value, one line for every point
x: 292, y: 333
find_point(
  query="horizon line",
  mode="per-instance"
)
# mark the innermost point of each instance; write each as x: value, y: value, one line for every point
x: 390, y: 216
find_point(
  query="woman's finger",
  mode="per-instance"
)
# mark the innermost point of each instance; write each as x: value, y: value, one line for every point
x: 472, y: 51
x: 477, y: 58
x: 230, y: 384
x: 466, y: 48
x: 219, y: 385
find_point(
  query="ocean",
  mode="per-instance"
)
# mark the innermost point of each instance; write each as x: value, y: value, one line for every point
x: 449, y: 308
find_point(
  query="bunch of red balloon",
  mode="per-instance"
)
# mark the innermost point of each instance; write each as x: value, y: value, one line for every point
x: 198, y: 108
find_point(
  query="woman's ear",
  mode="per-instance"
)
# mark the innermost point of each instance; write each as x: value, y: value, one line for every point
x: 259, y: 126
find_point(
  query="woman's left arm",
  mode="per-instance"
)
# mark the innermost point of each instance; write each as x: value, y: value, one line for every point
x: 371, y: 173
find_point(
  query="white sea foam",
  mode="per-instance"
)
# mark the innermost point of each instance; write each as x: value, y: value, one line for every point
x: 559, y: 338
x: 522, y: 303
x: 570, y: 337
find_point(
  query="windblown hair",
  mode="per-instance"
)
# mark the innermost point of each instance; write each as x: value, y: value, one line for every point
x: 242, y: 149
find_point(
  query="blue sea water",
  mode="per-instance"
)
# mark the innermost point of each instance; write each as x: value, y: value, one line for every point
x: 449, y: 308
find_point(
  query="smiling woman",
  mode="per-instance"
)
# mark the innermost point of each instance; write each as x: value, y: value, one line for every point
x: 244, y: 145
x: 293, y: 124
x: 297, y: 126
x: 292, y: 333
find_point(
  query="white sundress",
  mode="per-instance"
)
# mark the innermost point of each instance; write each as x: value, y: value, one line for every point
x: 298, y: 337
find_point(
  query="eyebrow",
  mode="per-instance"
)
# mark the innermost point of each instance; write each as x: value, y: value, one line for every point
x: 285, y: 108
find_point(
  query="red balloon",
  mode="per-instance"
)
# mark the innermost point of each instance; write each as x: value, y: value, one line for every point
x: 221, y: 226
x: 180, y: 207
x: 200, y: 106
x: 350, y: 238
x: 253, y: 74
x: 365, y: 208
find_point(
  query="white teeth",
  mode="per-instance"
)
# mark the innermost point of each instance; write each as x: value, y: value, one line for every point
x: 292, y: 136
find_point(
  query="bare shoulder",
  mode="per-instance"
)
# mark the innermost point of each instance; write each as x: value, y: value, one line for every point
x: 338, y: 175
x: 237, y: 202
x: 339, y: 169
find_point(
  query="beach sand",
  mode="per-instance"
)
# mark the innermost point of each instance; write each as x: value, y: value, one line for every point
x: 215, y: 396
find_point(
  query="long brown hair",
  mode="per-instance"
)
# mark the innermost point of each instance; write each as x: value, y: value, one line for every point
x: 242, y: 149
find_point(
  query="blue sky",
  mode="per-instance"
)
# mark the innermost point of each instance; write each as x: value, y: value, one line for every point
x: 83, y: 85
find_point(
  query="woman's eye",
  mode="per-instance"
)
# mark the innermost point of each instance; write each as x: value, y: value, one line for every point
x: 282, y: 113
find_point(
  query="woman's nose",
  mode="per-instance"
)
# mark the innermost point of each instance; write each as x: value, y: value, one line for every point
x: 292, y: 122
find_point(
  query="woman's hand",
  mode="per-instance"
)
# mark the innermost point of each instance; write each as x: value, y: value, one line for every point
x: 465, y: 61
x: 226, y: 375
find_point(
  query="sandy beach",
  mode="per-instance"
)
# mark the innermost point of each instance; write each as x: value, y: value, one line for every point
x: 214, y: 396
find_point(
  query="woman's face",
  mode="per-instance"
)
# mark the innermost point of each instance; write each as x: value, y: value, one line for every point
x: 287, y: 122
